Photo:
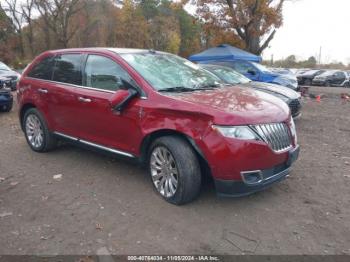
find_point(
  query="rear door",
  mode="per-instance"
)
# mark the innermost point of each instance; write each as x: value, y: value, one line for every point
x: 98, y: 123
x: 338, y: 78
x: 67, y: 75
x: 39, y: 81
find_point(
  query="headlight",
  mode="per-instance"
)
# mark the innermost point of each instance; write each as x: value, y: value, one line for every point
x: 238, y: 132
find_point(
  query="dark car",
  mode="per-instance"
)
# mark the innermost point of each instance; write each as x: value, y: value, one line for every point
x: 332, y: 78
x: 6, y: 98
x: 232, y: 77
x: 162, y: 111
x: 307, y: 77
x: 13, y: 76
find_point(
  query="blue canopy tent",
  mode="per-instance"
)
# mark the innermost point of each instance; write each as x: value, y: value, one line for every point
x: 224, y: 52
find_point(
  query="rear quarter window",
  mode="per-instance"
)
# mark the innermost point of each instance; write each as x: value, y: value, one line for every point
x: 43, y: 69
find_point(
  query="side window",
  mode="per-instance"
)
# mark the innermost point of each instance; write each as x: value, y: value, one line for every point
x: 43, y: 70
x: 103, y: 73
x: 243, y: 67
x: 67, y: 69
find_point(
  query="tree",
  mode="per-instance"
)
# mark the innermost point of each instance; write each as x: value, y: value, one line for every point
x: 11, y: 7
x: 133, y: 29
x: 57, y: 15
x: 7, y: 38
x: 253, y: 21
x: 190, y: 31
x: 27, y: 9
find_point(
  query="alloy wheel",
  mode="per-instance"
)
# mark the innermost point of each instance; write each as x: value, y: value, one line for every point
x: 164, y: 171
x: 34, y: 131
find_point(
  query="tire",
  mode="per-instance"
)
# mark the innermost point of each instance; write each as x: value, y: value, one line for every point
x: 181, y: 164
x: 47, y: 141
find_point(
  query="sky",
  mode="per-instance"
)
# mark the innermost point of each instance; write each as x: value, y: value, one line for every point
x: 310, y: 24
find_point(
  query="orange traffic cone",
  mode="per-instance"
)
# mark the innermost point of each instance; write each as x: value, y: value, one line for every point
x: 318, y: 98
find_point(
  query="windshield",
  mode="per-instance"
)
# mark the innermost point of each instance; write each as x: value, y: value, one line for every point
x: 261, y: 68
x: 311, y: 72
x: 230, y: 76
x: 165, y: 71
x: 4, y: 67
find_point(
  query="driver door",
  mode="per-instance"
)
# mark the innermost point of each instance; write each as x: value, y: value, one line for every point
x: 98, y: 123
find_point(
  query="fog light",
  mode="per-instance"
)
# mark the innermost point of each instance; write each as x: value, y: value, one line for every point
x: 252, y: 177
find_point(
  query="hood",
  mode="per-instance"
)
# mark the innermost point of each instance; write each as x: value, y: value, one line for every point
x: 287, y: 92
x: 9, y: 74
x: 233, y: 105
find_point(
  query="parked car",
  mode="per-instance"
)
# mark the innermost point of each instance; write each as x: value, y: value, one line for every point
x: 7, y: 72
x: 282, y: 71
x: 6, y: 98
x: 258, y: 72
x: 162, y: 111
x: 230, y: 76
x: 307, y: 77
x: 332, y: 78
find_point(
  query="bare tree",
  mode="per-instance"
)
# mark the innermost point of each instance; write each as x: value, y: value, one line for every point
x: 57, y: 15
x: 11, y: 7
x: 27, y: 12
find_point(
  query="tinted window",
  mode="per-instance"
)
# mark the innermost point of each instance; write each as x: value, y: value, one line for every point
x: 43, y: 70
x: 103, y: 73
x: 67, y: 69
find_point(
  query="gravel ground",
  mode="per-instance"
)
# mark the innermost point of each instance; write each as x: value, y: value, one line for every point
x: 103, y: 203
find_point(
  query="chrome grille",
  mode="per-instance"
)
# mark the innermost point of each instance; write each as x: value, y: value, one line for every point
x: 276, y: 135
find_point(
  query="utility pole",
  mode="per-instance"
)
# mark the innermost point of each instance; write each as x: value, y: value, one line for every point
x: 272, y: 60
x: 320, y: 55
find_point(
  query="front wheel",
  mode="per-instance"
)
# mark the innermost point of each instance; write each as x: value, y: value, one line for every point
x: 175, y: 170
x: 36, y: 131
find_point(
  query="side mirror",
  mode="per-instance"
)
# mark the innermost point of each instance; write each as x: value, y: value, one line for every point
x: 122, y: 97
x: 251, y: 72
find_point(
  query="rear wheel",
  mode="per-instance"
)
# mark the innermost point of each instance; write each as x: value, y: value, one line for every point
x: 174, y: 170
x: 36, y: 131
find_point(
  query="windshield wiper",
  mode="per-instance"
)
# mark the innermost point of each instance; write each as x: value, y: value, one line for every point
x: 206, y: 87
x: 188, y: 89
x: 177, y: 89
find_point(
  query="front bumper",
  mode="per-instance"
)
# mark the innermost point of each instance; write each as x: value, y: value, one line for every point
x: 6, y: 98
x: 234, y: 188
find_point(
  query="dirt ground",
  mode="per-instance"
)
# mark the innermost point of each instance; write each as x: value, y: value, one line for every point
x: 103, y: 203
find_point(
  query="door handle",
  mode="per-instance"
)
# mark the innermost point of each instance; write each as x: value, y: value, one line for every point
x: 85, y: 100
x: 43, y: 91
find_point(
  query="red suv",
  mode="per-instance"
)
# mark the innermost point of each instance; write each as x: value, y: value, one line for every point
x: 160, y: 110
